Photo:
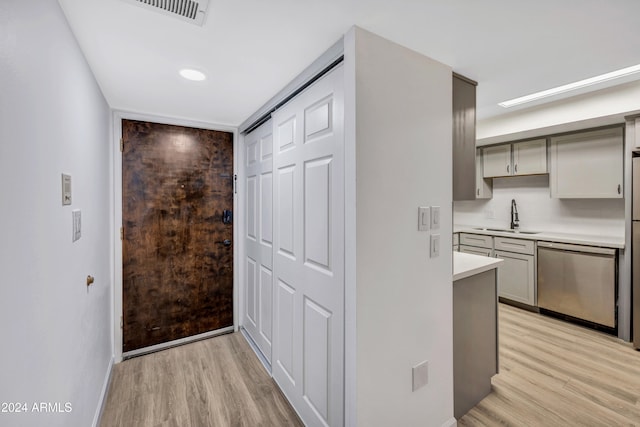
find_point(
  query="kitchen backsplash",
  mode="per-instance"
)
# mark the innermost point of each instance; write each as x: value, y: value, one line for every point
x: 538, y: 211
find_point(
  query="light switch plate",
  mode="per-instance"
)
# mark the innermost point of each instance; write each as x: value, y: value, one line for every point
x: 434, y: 245
x: 420, y: 374
x: 435, y: 217
x: 77, y: 224
x: 423, y: 218
x: 66, y: 189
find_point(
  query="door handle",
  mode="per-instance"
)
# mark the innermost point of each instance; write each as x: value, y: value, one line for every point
x: 225, y: 242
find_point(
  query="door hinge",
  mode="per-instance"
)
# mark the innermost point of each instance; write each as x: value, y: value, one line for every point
x: 121, y: 145
x: 235, y: 183
x: 121, y: 233
x: 120, y: 322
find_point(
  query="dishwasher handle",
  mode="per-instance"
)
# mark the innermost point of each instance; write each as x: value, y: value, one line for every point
x: 577, y: 248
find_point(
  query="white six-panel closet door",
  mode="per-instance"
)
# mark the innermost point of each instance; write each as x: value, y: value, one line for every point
x: 308, y: 238
x: 258, y: 297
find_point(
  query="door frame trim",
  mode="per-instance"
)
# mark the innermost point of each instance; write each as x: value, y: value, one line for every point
x: 116, y: 214
x: 169, y: 344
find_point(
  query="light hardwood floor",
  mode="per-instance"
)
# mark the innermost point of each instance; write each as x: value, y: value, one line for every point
x: 215, y: 382
x: 553, y: 373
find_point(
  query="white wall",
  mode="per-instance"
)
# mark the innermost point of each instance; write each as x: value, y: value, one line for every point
x: 538, y: 211
x: 56, y: 333
x: 403, y: 298
x: 598, y: 108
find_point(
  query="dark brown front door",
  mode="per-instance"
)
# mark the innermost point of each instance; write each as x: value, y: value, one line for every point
x: 177, y: 252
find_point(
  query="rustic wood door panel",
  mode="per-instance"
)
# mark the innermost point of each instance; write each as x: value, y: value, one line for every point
x: 177, y: 272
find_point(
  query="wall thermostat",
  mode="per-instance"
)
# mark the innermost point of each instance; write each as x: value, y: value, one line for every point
x: 66, y: 189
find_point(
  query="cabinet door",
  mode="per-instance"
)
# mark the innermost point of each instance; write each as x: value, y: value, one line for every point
x: 637, y: 132
x: 496, y: 160
x: 587, y: 165
x: 530, y: 157
x: 475, y: 251
x: 516, y: 277
x: 484, y: 186
x: 464, y: 138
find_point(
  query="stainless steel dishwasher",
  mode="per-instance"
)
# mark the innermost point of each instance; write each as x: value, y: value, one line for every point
x: 579, y: 281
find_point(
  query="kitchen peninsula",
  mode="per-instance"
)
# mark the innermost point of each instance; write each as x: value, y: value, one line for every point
x: 475, y: 329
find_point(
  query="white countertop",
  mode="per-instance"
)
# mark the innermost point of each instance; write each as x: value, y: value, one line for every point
x: 465, y: 265
x: 616, y: 242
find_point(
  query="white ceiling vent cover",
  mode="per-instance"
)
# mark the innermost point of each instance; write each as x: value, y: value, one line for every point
x: 193, y: 11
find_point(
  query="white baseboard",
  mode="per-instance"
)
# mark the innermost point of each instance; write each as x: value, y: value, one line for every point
x: 103, y: 395
x: 451, y: 422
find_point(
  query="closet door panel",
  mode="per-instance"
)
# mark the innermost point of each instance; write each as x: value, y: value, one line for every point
x: 308, y: 238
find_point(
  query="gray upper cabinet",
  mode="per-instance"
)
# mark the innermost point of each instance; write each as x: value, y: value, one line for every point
x: 496, y: 161
x: 464, y: 138
x: 530, y: 157
x: 518, y: 158
x: 587, y: 164
x: 484, y: 187
x: 636, y: 129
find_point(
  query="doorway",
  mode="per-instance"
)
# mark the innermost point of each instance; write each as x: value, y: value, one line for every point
x: 177, y: 239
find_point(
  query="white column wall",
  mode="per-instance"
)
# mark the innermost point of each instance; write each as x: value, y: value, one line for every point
x: 401, y: 144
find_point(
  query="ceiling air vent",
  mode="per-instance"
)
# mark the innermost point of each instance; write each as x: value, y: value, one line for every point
x: 193, y: 11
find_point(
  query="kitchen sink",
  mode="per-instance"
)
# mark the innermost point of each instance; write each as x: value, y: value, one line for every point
x: 506, y: 230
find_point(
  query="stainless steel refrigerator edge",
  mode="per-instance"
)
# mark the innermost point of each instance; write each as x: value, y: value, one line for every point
x: 635, y: 252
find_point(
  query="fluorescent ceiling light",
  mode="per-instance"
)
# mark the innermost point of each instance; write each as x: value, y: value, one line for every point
x: 571, y: 86
x: 191, y: 74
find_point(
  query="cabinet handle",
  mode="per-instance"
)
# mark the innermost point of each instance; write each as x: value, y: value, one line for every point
x: 507, y: 168
x: 619, y: 189
x: 516, y: 168
x: 477, y: 191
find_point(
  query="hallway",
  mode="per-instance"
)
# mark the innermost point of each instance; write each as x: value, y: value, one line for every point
x: 214, y: 382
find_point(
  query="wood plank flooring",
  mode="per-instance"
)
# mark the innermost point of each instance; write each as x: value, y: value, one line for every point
x: 216, y: 382
x: 553, y: 373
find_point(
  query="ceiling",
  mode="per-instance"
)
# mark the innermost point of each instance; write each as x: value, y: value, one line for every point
x: 250, y: 49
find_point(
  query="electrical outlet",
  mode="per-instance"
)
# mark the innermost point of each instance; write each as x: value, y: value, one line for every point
x: 420, y: 375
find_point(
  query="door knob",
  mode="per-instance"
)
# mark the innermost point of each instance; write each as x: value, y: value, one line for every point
x: 225, y: 242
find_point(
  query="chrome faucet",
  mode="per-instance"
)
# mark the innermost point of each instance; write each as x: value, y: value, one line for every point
x: 515, y: 222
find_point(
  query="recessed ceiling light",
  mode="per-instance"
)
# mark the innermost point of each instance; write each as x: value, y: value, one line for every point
x: 571, y: 86
x: 191, y: 74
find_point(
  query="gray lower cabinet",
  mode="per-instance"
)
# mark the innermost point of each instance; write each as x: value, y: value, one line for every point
x: 517, y: 275
x: 475, y: 339
x: 476, y: 244
x: 475, y: 250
